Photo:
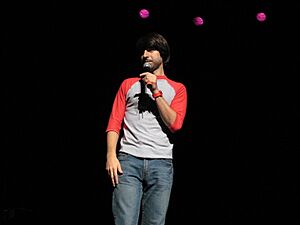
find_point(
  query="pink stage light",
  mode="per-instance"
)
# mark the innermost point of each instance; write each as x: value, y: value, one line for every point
x: 198, y: 21
x: 261, y: 16
x: 144, y: 13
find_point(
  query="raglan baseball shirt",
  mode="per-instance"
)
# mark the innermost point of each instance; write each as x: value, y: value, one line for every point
x: 143, y: 132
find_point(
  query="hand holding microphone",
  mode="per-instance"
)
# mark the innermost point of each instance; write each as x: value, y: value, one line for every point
x: 149, y: 79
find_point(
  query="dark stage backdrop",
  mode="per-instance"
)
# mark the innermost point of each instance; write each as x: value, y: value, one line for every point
x: 236, y: 158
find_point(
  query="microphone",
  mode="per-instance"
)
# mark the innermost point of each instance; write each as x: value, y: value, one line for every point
x: 147, y: 68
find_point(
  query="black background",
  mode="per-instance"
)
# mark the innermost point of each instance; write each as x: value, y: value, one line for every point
x: 236, y: 158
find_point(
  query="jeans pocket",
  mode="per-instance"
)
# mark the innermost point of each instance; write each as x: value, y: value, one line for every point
x: 122, y: 156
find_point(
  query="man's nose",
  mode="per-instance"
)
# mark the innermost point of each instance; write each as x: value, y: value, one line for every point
x: 146, y: 54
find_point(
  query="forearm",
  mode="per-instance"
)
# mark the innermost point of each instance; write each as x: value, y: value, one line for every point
x: 167, y: 114
x: 112, y: 140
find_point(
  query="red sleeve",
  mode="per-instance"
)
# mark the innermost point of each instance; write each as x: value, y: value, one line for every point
x: 119, y: 106
x: 118, y: 110
x: 179, y: 105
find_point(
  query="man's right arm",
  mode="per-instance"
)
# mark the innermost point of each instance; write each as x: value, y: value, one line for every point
x: 113, y: 166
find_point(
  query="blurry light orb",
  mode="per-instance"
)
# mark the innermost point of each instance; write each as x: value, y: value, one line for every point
x: 144, y: 13
x: 261, y: 16
x: 198, y: 21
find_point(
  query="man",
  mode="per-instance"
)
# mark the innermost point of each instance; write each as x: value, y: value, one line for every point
x: 149, y: 108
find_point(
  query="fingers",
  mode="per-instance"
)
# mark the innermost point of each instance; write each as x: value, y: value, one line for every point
x: 113, y: 174
x: 113, y: 168
x: 120, y: 169
x: 149, y: 80
x: 142, y: 75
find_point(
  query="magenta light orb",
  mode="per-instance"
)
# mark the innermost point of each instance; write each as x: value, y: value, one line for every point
x: 261, y: 16
x: 144, y: 13
x: 198, y: 21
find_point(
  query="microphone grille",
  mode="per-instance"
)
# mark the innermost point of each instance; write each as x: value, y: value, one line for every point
x: 147, y: 66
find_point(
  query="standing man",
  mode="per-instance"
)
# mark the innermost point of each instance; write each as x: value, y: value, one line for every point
x: 148, y: 108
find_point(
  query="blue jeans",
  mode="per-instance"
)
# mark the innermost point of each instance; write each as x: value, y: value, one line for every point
x: 143, y: 192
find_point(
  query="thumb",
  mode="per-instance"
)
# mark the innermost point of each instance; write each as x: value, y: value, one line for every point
x: 120, y: 169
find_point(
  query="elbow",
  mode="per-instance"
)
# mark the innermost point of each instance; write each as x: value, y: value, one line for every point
x: 174, y: 129
x: 176, y: 126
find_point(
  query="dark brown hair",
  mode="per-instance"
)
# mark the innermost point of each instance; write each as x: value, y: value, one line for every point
x: 154, y: 41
